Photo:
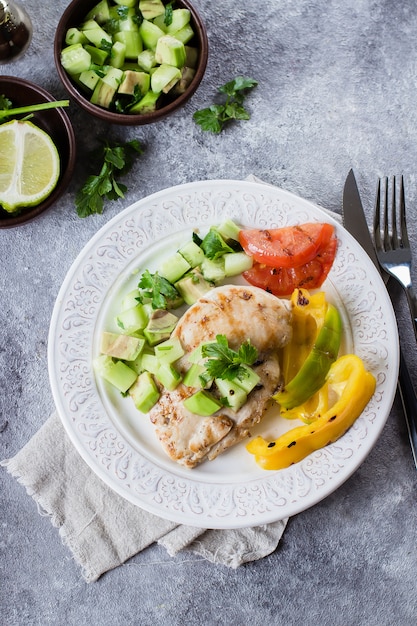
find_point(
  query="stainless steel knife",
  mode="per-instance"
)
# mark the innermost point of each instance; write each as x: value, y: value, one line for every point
x: 354, y: 221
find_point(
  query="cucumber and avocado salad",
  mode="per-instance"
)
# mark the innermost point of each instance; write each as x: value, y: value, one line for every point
x: 140, y: 355
x: 131, y: 56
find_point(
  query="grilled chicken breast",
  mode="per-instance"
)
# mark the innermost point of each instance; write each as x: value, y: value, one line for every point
x: 240, y: 313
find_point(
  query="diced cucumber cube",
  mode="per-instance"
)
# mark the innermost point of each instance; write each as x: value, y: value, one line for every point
x: 213, y: 269
x: 121, y: 346
x: 229, y: 230
x: 202, y: 403
x: 128, y: 23
x: 164, y: 78
x: 235, y: 395
x: 236, y: 262
x: 180, y: 18
x: 100, y: 12
x: 74, y: 35
x: 249, y: 380
x: 170, y: 51
x: 133, y: 42
x: 184, y: 34
x: 132, y: 320
x: 131, y: 299
x: 116, y: 373
x: 89, y: 78
x: 147, y: 104
x: 150, y: 34
x: 117, y: 54
x: 144, y: 392
x: 192, y: 253
x: 150, y: 363
x: 174, y: 267
x: 98, y: 56
x: 169, y: 351
x: 96, y: 34
x: 146, y: 60
x: 196, y: 376
x: 126, y: 3
x: 133, y: 80
x: 113, y: 77
x: 75, y: 59
x: 151, y: 8
x: 168, y: 376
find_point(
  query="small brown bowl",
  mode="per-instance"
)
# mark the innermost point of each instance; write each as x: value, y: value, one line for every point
x: 58, y: 126
x: 74, y: 15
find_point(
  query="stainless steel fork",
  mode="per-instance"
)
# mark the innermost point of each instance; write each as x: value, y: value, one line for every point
x: 393, y: 247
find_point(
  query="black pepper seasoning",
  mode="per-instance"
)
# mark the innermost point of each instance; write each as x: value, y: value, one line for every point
x: 15, y: 31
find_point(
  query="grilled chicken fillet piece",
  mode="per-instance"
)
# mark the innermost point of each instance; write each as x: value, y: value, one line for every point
x: 240, y: 313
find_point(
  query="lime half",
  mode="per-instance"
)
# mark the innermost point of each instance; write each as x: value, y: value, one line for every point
x: 29, y: 165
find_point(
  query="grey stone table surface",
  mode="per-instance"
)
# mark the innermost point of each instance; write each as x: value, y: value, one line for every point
x: 337, y: 89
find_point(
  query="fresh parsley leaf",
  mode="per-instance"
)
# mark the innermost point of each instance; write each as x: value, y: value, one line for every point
x: 5, y: 105
x: 117, y: 160
x: 159, y: 289
x: 214, y: 117
x: 214, y: 245
x: 168, y: 14
x: 225, y: 363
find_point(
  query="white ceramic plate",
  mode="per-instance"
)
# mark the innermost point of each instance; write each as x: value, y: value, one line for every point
x: 118, y: 442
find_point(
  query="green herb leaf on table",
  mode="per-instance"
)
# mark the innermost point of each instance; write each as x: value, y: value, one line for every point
x: 214, y: 117
x: 158, y: 288
x: 225, y: 363
x: 116, y: 160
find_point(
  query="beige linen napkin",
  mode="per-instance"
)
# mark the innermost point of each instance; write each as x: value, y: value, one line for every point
x: 101, y: 528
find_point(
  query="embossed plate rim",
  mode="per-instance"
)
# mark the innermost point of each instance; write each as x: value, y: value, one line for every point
x: 169, y: 494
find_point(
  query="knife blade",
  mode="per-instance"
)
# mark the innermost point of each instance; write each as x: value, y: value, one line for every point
x: 354, y: 221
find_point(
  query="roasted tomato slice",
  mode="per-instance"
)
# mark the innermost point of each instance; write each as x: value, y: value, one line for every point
x: 290, y: 246
x: 282, y: 281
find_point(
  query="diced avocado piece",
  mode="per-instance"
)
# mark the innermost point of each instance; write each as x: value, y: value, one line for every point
x: 236, y: 262
x: 97, y: 35
x: 151, y: 8
x: 202, y: 403
x: 144, y: 392
x: 75, y: 59
x: 180, y: 18
x: 147, y: 104
x: 150, y: 34
x: 192, y: 286
x: 235, y: 395
x: 174, y: 267
x: 89, y: 78
x: 150, y: 362
x: 146, y: 60
x: 196, y: 376
x: 164, y: 78
x: 191, y: 57
x: 187, y: 75
x: 169, y: 351
x: 118, y: 54
x: 184, y: 34
x: 249, y: 381
x: 192, y: 253
x: 121, y: 346
x: 132, y: 320
x: 103, y: 94
x: 133, y: 42
x: 74, y: 35
x: 98, y: 56
x: 116, y: 373
x: 160, y: 326
x: 100, y: 12
x: 131, y: 80
x: 168, y: 376
x: 213, y: 270
x: 170, y: 51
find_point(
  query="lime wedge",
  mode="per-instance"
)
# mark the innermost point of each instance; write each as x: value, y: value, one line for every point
x: 29, y: 165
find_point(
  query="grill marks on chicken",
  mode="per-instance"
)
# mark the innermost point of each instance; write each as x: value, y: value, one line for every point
x: 239, y: 313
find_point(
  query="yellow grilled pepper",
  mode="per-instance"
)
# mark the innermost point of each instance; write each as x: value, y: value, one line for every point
x: 354, y: 387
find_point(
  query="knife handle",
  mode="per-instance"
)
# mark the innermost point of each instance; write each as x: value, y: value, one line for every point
x: 409, y: 401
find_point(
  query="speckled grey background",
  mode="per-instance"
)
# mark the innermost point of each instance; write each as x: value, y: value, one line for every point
x: 337, y: 89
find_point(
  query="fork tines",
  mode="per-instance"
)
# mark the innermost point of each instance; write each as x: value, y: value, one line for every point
x: 390, y: 226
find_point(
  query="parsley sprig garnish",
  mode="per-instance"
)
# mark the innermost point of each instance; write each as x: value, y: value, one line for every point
x: 117, y: 160
x: 225, y: 363
x: 158, y: 289
x: 214, y: 117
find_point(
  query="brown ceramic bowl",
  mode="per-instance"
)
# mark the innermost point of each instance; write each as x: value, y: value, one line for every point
x: 53, y: 121
x: 75, y: 14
